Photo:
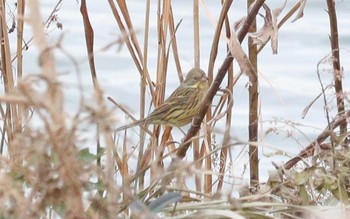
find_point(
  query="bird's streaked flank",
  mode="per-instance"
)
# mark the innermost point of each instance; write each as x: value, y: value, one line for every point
x: 181, y: 106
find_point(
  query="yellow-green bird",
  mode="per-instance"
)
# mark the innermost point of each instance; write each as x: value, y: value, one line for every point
x: 181, y: 106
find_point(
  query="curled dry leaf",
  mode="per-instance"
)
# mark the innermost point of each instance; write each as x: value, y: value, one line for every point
x: 301, y: 10
x: 270, y: 28
x: 240, y: 56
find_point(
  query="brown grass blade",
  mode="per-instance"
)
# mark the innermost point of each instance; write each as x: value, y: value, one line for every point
x: 13, y: 120
x: 89, y: 39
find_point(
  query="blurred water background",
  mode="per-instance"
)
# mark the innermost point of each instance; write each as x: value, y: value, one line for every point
x: 288, y: 80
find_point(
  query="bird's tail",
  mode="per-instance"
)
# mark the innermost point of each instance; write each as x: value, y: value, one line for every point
x: 140, y: 122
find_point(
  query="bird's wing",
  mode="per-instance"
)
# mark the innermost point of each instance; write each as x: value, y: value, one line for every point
x: 181, y: 96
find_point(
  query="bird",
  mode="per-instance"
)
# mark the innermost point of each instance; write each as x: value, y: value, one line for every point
x: 181, y: 106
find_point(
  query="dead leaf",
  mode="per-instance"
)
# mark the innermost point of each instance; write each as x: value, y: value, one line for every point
x: 241, y: 58
x: 269, y: 29
x: 301, y: 10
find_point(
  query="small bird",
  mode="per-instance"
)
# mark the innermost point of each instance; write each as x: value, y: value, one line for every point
x: 181, y: 106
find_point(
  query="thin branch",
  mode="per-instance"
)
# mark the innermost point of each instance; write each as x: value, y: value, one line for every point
x: 328, y: 132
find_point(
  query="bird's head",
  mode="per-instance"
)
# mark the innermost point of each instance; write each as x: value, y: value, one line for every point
x: 196, y: 78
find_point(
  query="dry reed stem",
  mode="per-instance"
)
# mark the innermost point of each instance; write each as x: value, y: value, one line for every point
x: 208, y: 178
x: 173, y: 30
x: 123, y: 8
x: 253, y: 106
x: 162, y: 56
x: 163, y: 144
x: 127, y: 33
x: 124, y: 171
x: 337, y: 71
x: 143, y: 78
x: 207, y: 141
x: 227, y: 135
x: 196, y: 38
x: 89, y: 39
x: 20, y: 24
x: 226, y: 141
x: 13, y: 123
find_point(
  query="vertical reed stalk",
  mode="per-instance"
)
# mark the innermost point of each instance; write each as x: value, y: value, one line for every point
x: 196, y: 34
x: 253, y: 108
x: 12, y: 120
x: 227, y: 135
x: 208, y: 161
x: 143, y: 80
x: 164, y: 17
x: 172, y: 30
x: 20, y: 24
x: 337, y: 71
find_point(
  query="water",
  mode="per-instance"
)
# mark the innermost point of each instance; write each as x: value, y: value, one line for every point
x: 288, y: 81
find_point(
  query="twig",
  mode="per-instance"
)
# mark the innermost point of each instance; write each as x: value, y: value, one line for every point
x: 309, y: 150
x: 326, y: 108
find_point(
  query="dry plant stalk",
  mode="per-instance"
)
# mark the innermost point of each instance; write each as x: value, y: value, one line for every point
x: 253, y: 107
x: 337, y: 71
x: 55, y: 123
x: 46, y: 169
x: 12, y: 120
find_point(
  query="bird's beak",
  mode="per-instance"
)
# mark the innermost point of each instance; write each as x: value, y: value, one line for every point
x: 205, y: 78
